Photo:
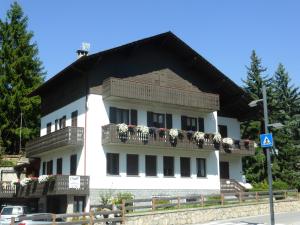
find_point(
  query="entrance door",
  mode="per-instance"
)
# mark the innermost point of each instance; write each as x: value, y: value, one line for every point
x: 224, y: 170
x: 57, y: 204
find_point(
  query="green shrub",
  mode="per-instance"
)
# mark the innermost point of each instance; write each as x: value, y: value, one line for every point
x: 280, y: 185
x: 6, y: 163
x: 264, y: 186
x: 122, y: 196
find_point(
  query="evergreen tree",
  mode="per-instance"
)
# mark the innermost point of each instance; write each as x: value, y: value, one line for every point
x: 20, y: 73
x: 286, y: 111
x: 255, y: 167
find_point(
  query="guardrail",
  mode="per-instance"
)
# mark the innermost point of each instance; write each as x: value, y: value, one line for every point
x: 97, y: 213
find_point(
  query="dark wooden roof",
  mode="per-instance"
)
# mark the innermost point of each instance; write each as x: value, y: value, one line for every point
x: 233, y: 99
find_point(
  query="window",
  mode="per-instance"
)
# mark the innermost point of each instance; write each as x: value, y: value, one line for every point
x: 201, y: 167
x: 155, y: 119
x: 150, y: 165
x: 74, y: 116
x: 168, y: 166
x: 188, y: 123
x: 117, y: 115
x: 44, y: 168
x: 56, y: 125
x: 62, y: 122
x: 112, y: 164
x: 59, y: 166
x: 223, y: 130
x: 48, y: 128
x: 73, y: 164
x: 79, y: 204
x: 169, y: 122
x: 185, y: 167
x: 50, y: 167
x: 132, y: 164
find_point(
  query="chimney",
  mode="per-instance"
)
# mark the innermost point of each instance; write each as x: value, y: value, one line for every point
x: 84, y: 50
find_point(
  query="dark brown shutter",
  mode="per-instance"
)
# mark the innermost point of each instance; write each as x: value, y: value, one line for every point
x: 183, y: 123
x: 169, y: 121
x: 149, y: 119
x: 112, y: 114
x: 133, y: 115
x: 200, y: 124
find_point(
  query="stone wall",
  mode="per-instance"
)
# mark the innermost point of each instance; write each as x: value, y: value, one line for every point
x: 191, y: 216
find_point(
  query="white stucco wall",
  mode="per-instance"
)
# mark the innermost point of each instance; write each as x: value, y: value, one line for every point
x: 98, y: 115
x: 65, y: 154
x: 233, y: 126
x: 235, y: 166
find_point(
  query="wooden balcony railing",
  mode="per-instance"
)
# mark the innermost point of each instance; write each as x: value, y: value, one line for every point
x: 66, y: 137
x: 157, y: 138
x: 7, y: 189
x: 147, y: 92
x: 59, y: 185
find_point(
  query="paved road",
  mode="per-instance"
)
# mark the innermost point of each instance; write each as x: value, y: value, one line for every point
x: 291, y: 218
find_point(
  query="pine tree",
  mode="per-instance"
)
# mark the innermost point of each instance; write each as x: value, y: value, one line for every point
x: 255, y: 167
x: 286, y: 111
x: 20, y: 73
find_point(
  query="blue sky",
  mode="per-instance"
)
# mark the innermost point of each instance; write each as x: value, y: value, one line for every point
x: 223, y: 32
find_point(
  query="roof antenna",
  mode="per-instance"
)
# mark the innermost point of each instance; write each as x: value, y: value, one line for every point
x: 85, y: 47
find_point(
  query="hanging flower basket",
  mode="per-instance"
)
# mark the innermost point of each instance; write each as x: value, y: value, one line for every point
x: 143, y: 133
x: 189, y: 134
x: 122, y: 131
x: 199, y: 138
x: 217, y: 140
x: 173, y: 136
x: 131, y: 129
x: 227, y: 143
x: 180, y: 135
x: 246, y: 143
x: 162, y: 132
x: 144, y: 130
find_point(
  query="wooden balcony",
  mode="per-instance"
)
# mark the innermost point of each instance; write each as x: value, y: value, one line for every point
x: 158, y: 139
x: 58, y: 186
x: 7, y: 189
x: 118, y: 88
x: 68, y: 137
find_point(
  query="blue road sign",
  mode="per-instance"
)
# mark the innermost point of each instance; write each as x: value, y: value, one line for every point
x: 266, y: 140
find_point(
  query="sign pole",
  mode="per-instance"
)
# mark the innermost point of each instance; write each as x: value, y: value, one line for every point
x: 268, y: 157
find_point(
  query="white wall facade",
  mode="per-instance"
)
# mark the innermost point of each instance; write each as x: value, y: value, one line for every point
x: 98, y: 115
x: 65, y: 154
x: 233, y: 126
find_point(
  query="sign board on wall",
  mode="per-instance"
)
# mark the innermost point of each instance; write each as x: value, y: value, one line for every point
x: 74, y: 182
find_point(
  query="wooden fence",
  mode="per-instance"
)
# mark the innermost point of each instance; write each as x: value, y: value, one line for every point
x: 103, y: 214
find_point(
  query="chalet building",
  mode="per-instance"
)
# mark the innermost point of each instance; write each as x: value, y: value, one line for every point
x: 151, y: 117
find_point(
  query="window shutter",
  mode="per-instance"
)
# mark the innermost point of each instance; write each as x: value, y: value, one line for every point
x: 183, y: 123
x: 149, y: 119
x: 200, y: 124
x: 133, y: 115
x: 112, y: 115
x: 169, y: 121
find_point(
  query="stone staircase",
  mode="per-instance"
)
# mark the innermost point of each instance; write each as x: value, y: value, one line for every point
x: 231, y: 186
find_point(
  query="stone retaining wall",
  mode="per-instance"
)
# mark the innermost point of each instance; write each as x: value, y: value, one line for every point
x: 200, y: 215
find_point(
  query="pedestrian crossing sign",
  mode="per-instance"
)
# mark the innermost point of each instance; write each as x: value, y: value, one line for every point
x: 266, y: 140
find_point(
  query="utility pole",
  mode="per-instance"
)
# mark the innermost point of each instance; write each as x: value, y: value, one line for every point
x: 268, y: 156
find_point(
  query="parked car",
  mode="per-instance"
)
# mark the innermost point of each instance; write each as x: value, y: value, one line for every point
x: 8, y: 212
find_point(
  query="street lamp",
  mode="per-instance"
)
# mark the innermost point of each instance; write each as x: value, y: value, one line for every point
x: 252, y: 104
